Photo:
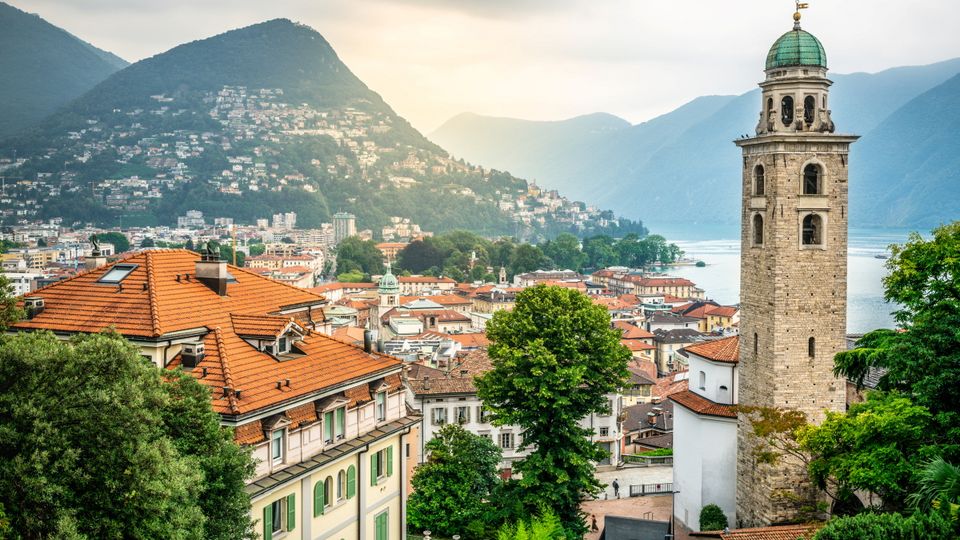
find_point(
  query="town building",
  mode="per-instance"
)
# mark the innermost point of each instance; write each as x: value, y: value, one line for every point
x: 326, y: 420
x: 344, y: 226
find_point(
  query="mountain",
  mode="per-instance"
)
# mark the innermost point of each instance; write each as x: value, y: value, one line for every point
x: 908, y: 167
x: 255, y: 121
x: 43, y: 68
x: 682, y: 166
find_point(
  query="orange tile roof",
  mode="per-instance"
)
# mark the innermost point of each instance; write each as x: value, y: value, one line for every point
x: 442, y: 299
x: 259, y: 325
x: 702, y: 405
x: 777, y: 532
x: 425, y: 279
x: 153, y: 302
x: 249, y: 433
x: 723, y: 311
x: 302, y: 415
x: 632, y: 331
x: 636, y: 345
x: 719, y: 350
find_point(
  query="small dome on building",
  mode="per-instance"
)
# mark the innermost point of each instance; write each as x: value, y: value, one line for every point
x: 389, y: 284
x: 796, y: 48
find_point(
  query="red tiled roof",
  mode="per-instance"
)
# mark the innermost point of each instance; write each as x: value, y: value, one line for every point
x: 723, y: 311
x: 249, y: 433
x: 442, y: 299
x: 669, y: 385
x: 460, y: 378
x: 636, y: 345
x: 719, y: 350
x: 702, y: 405
x: 425, y: 279
x: 302, y: 415
x: 337, y: 285
x: 632, y: 331
x: 152, y: 302
x: 777, y: 532
x: 259, y: 325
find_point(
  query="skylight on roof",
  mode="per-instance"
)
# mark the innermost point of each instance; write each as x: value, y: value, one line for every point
x: 117, y: 274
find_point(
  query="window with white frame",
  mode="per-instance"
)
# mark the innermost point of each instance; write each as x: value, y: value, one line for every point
x: 328, y: 427
x: 438, y: 415
x: 604, y: 432
x: 381, y: 406
x: 276, y: 446
x: 506, y: 441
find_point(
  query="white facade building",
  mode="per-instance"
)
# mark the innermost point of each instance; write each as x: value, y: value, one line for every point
x: 705, y: 433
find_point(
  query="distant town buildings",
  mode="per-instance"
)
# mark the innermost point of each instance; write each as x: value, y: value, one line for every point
x: 344, y: 226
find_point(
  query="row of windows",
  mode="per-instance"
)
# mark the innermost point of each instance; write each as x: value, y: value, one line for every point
x: 323, y: 492
x: 787, y: 109
x: 811, y: 230
x: 812, y: 182
x: 461, y: 415
x: 281, y: 515
x: 811, y: 349
x: 334, y: 427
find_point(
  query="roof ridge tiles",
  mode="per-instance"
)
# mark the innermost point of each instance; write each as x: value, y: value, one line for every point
x: 225, y: 366
x: 298, y: 289
x: 152, y: 294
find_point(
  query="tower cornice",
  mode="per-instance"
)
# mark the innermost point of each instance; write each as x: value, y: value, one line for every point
x: 829, y: 138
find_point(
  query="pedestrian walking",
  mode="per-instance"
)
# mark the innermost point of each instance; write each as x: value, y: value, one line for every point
x: 616, y: 488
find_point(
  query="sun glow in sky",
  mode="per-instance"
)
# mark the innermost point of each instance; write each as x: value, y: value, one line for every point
x: 537, y: 59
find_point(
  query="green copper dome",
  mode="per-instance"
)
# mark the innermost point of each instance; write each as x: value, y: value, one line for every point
x: 389, y: 284
x: 797, y: 48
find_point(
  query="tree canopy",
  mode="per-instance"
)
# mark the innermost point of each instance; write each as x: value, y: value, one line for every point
x: 455, y: 485
x: 119, y: 240
x: 97, y: 443
x: 555, y: 359
x: 354, y: 254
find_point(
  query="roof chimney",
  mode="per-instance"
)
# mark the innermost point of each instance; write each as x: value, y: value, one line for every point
x: 367, y: 341
x: 426, y: 383
x: 211, y: 271
x: 96, y: 258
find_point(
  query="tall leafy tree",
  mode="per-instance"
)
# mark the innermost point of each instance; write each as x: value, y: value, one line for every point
x: 453, y: 488
x: 95, y: 444
x: 565, y: 252
x: 555, y: 359
x: 9, y: 312
x: 356, y: 254
x: 119, y: 240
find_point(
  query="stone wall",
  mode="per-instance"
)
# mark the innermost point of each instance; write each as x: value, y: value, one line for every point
x: 789, y: 293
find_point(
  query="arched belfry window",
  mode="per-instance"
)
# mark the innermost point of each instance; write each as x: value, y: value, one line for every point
x: 812, y: 347
x: 812, y: 179
x: 758, y: 180
x: 809, y: 109
x: 757, y: 230
x: 786, y: 110
x: 812, y: 230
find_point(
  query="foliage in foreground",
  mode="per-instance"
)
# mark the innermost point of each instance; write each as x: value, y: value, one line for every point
x: 712, y: 518
x: 890, y: 526
x: 455, y: 486
x: 97, y: 443
x: 555, y: 359
x: 546, y: 526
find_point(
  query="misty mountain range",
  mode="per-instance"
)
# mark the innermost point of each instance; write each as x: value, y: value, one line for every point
x: 683, y: 167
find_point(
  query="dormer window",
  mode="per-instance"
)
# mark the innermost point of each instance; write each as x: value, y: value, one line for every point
x: 283, y: 345
x: 276, y: 446
x: 118, y: 273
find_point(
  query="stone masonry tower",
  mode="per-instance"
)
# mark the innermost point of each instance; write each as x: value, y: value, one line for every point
x: 793, y: 266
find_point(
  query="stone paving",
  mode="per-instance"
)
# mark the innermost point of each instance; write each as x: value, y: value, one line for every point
x: 653, y: 507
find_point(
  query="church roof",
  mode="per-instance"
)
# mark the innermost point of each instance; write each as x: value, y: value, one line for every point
x: 796, y: 48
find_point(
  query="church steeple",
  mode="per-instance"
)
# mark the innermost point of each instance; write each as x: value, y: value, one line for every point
x: 793, y: 265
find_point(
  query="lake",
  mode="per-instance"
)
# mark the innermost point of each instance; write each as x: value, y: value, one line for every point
x: 719, y: 247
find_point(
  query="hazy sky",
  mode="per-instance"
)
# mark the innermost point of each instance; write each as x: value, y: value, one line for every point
x: 538, y: 59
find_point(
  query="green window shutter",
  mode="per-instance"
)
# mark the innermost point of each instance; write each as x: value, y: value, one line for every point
x: 351, y: 481
x: 268, y: 522
x: 318, y: 501
x: 373, y: 469
x: 390, y: 460
x: 341, y: 421
x: 291, y: 511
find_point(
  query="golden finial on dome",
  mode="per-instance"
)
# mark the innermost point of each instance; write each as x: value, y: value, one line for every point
x: 796, y: 14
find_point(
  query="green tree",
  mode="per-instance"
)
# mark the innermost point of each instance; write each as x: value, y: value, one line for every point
x: 555, y: 359
x: 356, y: 254
x: 96, y: 445
x: 600, y: 252
x: 453, y: 488
x: 9, y: 312
x: 564, y: 251
x: 420, y: 255
x: 712, y: 518
x: 878, y: 446
x: 119, y: 241
x: 257, y: 249
x: 546, y: 526
x: 924, y: 360
x: 938, y: 485
x: 868, y: 526
x: 147, y: 243
x: 527, y: 258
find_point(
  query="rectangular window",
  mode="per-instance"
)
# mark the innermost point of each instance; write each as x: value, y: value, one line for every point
x: 341, y: 422
x: 283, y: 346
x: 604, y: 432
x: 381, y: 406
x: 276, y: 446
x: 382, y: 526
x: 482, y: 415
x: 506, y: 441
x: 463, y: 415
x: 328, y: 427
x: 438, y: 415
x: 486, y: 435
x: 277, y: 511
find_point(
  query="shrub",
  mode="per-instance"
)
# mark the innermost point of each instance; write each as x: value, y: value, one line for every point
x: 886, y: 527
x: 712, y: 518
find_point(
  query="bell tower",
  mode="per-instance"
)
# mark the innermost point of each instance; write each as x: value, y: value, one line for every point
x: 793, y: 266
